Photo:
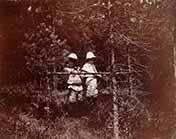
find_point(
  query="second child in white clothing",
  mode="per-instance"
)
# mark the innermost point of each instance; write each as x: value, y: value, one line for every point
x: 91, y: 80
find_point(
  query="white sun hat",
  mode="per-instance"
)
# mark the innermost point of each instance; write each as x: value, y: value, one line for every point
x: 73, y: 56
x: 90, y: 55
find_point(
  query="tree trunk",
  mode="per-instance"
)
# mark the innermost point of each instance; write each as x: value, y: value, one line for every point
x: 130, y: 80
x: 115, y: 99
x: 174, y: 63
x: 174, y: 53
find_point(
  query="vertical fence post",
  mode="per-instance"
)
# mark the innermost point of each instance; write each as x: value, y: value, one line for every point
x: 54, y: 79
x: 113, y: 79
x: 175, y: 62
x: 115, y: 99
x: 130, y: 80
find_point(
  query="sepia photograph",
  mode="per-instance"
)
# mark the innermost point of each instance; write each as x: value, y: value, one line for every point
x: 87, y: 69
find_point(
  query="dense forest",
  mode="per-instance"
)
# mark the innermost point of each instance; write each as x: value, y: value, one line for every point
x: 38, y: 33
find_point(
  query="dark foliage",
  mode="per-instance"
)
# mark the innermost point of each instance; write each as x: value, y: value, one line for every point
x: 39, y: 34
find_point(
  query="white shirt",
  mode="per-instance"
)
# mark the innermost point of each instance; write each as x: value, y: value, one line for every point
x: 90, y: 68
x: 74, y: 81
x: 91, y: 81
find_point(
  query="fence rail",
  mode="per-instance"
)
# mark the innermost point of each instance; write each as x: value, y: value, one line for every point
x: 81, y: 73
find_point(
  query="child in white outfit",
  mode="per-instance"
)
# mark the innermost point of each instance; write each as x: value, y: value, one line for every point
x: 91, y: 80
x: 74, y: 81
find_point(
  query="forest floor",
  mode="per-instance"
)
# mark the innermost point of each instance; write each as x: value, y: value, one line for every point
x: 16, y: 123
x: 19, y: 124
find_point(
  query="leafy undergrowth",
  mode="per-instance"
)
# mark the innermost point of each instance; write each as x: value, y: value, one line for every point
x: 27, y: 115
x: 27, y: 127
x: 21, y: 119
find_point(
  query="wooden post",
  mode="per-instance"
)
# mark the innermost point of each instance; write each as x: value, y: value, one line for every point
x: 130, y: 81
x: 114, y: 82
x: 174, y: 61
x: 54, y: 79
x: 115, y: 99
x: 174, y: 55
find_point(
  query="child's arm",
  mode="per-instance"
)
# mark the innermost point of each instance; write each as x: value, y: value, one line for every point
x: 69, y: 70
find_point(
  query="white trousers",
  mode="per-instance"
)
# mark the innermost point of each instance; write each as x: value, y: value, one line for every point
x: 91, y: 87
x: 75, y: 96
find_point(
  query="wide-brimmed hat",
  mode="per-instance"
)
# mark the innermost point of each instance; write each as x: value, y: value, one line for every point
x: 73, y: 56
x: 90, y: 55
